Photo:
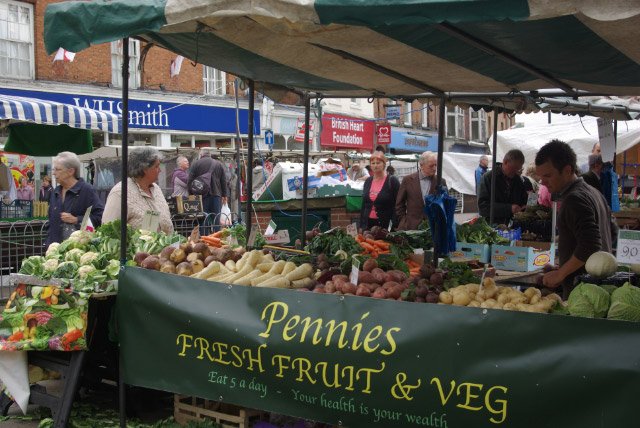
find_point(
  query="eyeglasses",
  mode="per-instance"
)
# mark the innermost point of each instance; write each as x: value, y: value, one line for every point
x: 58, y: 169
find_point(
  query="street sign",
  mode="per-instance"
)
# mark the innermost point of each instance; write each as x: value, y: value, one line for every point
x: 393, y: 111
x: 268, y: 138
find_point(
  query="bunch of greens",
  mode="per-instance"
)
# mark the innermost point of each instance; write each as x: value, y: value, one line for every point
x: 386, y: 263
x: 332, y: 241
x: 238, y: 231
x: 479, y: 232
x: 457, y: 273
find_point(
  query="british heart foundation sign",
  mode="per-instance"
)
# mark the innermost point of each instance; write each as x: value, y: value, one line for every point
x: 384, y: 134
x: 344, y: 131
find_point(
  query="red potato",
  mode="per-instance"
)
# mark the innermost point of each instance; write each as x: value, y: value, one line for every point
x: 365, y: 276
x: 379, y: 275
x: 330, y: 287
x: 342, y: 278
x: 319, y: 290
x: 337, y: 292
x: 387, y: 285
x: 394, y: 292
x: 369, y: 265
x: 373, y: 287
x: 363, y: 291
x: 395, y: 275
x: 349, y: 288
x: 380, y: 293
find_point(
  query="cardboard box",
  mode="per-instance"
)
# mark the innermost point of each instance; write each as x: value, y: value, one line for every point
x: 480, y: 252
x: 523, y: 256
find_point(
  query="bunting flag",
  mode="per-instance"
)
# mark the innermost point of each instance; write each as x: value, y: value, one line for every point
x: 176, y: 64
x: 64, y: 55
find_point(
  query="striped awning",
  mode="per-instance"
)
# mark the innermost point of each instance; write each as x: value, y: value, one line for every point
x: 379, y: 48
x: 22, y: 109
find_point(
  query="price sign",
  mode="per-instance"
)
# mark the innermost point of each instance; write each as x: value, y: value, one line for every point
x: 355, y: 267
x: 150, y: 221
x: 352, y: 230
x: 532, y: 199
x: 628, y: 247
x: 270, y: 228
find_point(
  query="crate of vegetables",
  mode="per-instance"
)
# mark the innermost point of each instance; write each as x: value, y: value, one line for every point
x: 479, y: 252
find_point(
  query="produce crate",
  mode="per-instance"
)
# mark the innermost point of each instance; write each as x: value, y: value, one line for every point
x: 523, y: 256
x: 480, y: 252
x: 18, y: 208
x: 187, y: 408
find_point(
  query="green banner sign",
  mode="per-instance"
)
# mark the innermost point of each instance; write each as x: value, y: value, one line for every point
x: 363, y: 362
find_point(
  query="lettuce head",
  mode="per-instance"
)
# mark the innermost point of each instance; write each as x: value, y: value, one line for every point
x: 625, y: 304
x: 589, y: 300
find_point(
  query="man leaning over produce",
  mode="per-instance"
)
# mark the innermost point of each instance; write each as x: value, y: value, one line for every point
x: 585, y: 224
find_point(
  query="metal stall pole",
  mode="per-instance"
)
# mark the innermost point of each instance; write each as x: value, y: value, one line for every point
x: 123, y: 203
x: 305, y: 169
x: 236, y: 88
x: 249, y: 185
x: 493, y: 164
x: 441, y: 119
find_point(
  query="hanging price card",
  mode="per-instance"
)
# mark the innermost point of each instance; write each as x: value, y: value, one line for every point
x: 628, y: 247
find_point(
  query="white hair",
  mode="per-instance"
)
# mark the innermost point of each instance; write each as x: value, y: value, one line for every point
x: 425, y: 156
x: 69, y: 160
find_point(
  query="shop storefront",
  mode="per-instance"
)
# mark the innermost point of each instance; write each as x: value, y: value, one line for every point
x: 154, y: 121
x: 403, y: 142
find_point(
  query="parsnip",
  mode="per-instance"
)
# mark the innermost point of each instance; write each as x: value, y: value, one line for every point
x: 220, y: 277
x: 264, y: 267
x: 246, y: 280
x: 277, y: 281
x: 262, y: 278
x: 240, y: 263
x: 288, y: 267
x: 254, y: 258
x: 301, y: 283
x: 305, y: 270
x: 212, y: 269
x: 246, y: 270
x: 267, y: 258
x: 231, y: 265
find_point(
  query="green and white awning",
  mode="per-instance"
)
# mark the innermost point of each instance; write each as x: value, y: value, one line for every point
x: 380, y: 47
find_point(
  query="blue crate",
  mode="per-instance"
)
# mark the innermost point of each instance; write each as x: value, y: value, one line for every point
x: 18, y: 208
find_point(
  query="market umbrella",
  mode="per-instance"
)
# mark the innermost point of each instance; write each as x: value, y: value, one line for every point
x: 360, y: 48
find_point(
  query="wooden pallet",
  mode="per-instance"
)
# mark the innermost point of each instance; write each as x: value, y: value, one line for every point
x: 187, y: 408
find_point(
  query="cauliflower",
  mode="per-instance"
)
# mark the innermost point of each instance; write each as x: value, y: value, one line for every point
x: 74, y: 255
x: 80, y: 237
x: 146, y: 238
x: 84, y: 271
x: 52, y: 248
x: 50, y: 265
x: 88, y: 258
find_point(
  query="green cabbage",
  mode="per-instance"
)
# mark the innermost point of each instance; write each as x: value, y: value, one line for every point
x: 625, y: 304
x: 588, y: 300
x: 609, y: 288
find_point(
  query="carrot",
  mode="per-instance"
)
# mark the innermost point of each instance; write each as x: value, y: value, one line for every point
x: 383, y: 252
x: 382, y: 244
x: 370, y: 241
x: 218, y: 234
x: 359, y: 238
x: 367, y: 246
x: 211, y: 238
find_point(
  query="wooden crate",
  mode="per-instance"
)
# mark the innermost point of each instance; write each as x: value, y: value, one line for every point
x: 188, y: 408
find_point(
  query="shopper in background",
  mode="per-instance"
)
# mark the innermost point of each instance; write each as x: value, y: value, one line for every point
x: 70, y: 200
x: 483, y: 165
x: 213, y: 200
x: 391, y: 170
x: 584, y: 168
x: 530, y: 173
x: 356, y: 172
x: 179, y: 178
x: 379, y: 195
x: 259, y: 174
x: 144, y: 195
x: 381, y: 148
x: 510, y: 197
x: 585, y: 224
x: 409, y: 205
x: 592, y: 177
x: 25, y: 192
x: 45, y: 190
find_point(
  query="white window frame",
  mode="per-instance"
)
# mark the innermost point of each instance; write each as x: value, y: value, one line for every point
x: 134, y: 62
x: 18, y: 39
x: 355, y: 103
x: 425, y: 115
x: 396, y: 120
x: 458, y: 115
x: 479, y: 121
x: 214, y: 81
x: 408, y: 120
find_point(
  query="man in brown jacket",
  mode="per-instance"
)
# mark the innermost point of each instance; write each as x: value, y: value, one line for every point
x: 413, y: 189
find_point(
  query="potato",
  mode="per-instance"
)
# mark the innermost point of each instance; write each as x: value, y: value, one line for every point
x: 532, y: 291
x: 509, y: 307
x: 490, y: 290
x: 535, y: 299
x: 473, y: 288
x: 379, y: 275
x: 394, y: 292
x: 519, y: 299
x: 166, y: 252
x: 446, y: 298
x: 184, y: 269
x: 197, y: 265
x: 474, y: 304
x: 461, y: 298
x: 540, y: 307
x: 370, y: 265
x: 366, y: 276
x: 178, y: 256
x: 389, y: 284
x: 503, y: 298
x: 194, y: 256
x: 168, y: 267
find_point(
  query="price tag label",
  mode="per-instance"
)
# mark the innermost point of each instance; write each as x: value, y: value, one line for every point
x: 355, y: 268
x: 150, y: 221
x: 252, y: 236
x: 390, y: 224
x: 628, y: 247
x: 352, y: 230
x: 270, y: 228
x: 532, y: 199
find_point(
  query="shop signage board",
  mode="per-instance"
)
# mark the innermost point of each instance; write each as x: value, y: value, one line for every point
x: 346, y: 132
x: 418, y: 143
x: 364, y: 362
x: 384, y: 134
x: 299, y: 137
x: 147, y: 114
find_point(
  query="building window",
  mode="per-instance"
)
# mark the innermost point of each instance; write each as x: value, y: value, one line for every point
x: 407, y: 114
x: 134, y: 61
x: 355, y: 102
x: 455, y: 122
x: 478, y: 121
x: 16, y: 39
x: 215, y: 81
x: 425, y: 115
x: 392, y: 120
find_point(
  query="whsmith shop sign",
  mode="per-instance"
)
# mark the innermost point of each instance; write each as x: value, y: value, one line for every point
x: 363, y: 362
x: 157, y: 115
x: 418, y: 143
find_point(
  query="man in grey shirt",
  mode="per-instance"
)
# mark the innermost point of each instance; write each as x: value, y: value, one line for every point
x: 211, y: 203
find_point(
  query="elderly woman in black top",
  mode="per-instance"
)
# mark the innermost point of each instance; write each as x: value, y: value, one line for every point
x: 379, y: 195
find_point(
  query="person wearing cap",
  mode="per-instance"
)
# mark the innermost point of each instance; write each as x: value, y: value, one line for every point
x: 378, y: 195
x: 356, y: 173
x: 415, y: 187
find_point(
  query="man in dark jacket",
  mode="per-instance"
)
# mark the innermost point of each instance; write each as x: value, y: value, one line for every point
x: 511, y: 196
x: 211, y: 203
x: 413, y: 189
x: 585, y: 224
x: 592, y: 178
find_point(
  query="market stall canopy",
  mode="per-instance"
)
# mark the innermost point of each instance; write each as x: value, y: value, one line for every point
x: 580, y: 134
x: 46, y: 128
x: 385, y: 48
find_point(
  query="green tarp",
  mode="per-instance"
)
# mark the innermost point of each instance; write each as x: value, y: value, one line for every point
x: 47, y: 140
